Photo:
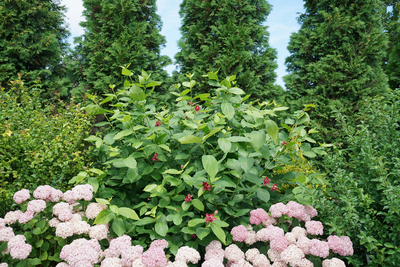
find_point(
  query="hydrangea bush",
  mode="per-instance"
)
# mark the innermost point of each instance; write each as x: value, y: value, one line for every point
x: 59, y: 227
x: 191, y: 172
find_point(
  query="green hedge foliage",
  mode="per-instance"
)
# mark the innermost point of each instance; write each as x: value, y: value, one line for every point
x: 38, y: 144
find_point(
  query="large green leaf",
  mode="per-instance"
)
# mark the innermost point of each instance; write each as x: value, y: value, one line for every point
x: 213, y: 131
x: 228, y: 110
x: 202, y: 232
x: 198, y: 204
x: 272, y: 129
x: 123, y: 133
x: 263, y: 194
x: 210, y: 164
x: 144, y: 221
x: 128, y: 213
x: 118, y: 226
x: 161, y: 228
x: 189, y: 139
x: 246, y: 163
x: 195, y: 222
x: 136, y: 93
x: 104, y: 217
x: 130, y: 162
x: 217, y: 230
x: 224, y: 144
x: 257, y: 139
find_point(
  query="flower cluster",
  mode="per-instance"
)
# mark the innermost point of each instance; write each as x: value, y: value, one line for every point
x: 155, y: 157
x: 286, y: 248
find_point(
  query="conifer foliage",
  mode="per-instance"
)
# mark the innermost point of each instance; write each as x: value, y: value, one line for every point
x: 117, y: 33
x: 336, y: 56
x: 32, y: 40
x: 228, y: 36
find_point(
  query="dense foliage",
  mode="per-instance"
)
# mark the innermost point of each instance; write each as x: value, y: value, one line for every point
x: 32, y: 40
x: 38, y: 144
x: 110, y: 41
x: 362, y: 199
x: 211, y: 154
x: 228, y: 36
x: 336, y: 58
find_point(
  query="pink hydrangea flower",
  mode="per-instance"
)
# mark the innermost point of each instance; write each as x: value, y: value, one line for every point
x: 117, y: 245
x: 215, y: 244
x: 160, y: 243
x: 12, y: 216
x: 304, y: 244
x: 70, y: 196
x: 334, y: 262
x: 215, y: 253
x: 233, y: 253
x: 154, y: 257
x: 42, y: 192
x: 6, y: 233
x: 278, y: 243
x: 21, y: 196
x: 315, y: 228
x: 239, y: 233
x: 130, y: 254
x: 98, y: 232
x: 292, y: 255
x: 299, y: 231
x: 36, y: 205
x: 273, y: 231
x: 84, y: 192
x: 187, y: 254
x: 3, y: 265
x: 15, y: 240
x: 20, y: 251
x: 25, y: 217
x: 261, y: 260
x: 111, y: 262
x: 319, y: 248
x: 271, y: 221
x: 306, y: 263
x: 2, y: 223
x: 212, y: 263
x: 81, y: 252
x: 278, y: 209
x: 347, y: 246
x: 65, y: 229
x: 295, y: 209
x: 258, y: 216
x: 310, y: 210
x: 251, y: 254
x: 251, y: 238
x: 59, y: 207
x: 274, y: 255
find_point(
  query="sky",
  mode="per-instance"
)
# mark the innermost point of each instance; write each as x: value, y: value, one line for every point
x: 281, y: 24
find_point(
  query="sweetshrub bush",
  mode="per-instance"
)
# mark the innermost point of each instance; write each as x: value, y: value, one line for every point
x: 192, y: 172
x: 38, y: 144
x: 362, y: 199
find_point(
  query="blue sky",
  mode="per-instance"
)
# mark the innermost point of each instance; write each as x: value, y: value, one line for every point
x: 281, y: 22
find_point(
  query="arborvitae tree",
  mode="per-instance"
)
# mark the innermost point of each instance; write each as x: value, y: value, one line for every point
x: 117, y: 33
x: 33, y: 39
x: 228, y: 36
x: 392, y: 26
x: 336, y: 57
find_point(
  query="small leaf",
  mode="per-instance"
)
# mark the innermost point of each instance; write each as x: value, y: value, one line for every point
x: 258, y: 139
x: 189, y: 139
x: 263, y: 194
x: 136, y: 93
x: 202, y: 232
x: 210, y: 164
x: 123, y: 133
x: 195, y: 222
x: 236, y: 91
x: 104, y: 217
x: 217, y: 230
x: 213, y: 131
x: 130, y: 162
x: 272, y: 129
x: 224, y: 144
x: 198, y: 204
x: 228, y: 110
x: 153, y: 83
x: 118, y: 226
x: 172, y: 171
x: 309, y: 154
x: 128, y: 213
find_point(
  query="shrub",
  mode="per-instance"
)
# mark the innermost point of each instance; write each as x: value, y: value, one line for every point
x: 211, y: 158
x: 50, y: 231
x: 38, y: 144
x: 362, y: 199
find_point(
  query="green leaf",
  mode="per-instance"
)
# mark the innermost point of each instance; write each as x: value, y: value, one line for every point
x: 153, y: 83
x: 39, y: 243
x: 133, y: 175
x: 102, y: 201
x: 238, y: 139
x: 195, y: 222
x: 213, y: 131
x: 236, y: 91
x: 149, y: 187
x: 189, y: 139
x: 165, y: 147
x: 213, y: 76
x: 128, y: 213
x: 172, y: 171
x: 93, y: 182
x: 144, y: 221
x: 272, y: 129
x: 280, y: 108
x: 246, y: 163
x: 96, y: 171
x: 257, y: 139
x: 210, y: 164
x: 123, y: 133
x: 202, y: 232
x: 198, y: 204
x: 43, y: 256
x: 126, y: 72
x: 161, y: 228
x: 118, y: 226
x: 177, y: 219
x: 182, y: 156
x: 224, y: 144
x: 93, y: 138
x: 186, y: 205
x: 263, y: 194
x: 220, y: 223
x: 104, y: 217
x: 228, y: 110
x: 309, y: 154
x: 130, y: 162
x: 136, y: 93
x: 217, y: 230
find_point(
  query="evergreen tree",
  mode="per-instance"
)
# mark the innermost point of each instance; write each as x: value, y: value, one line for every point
x: 228, y: 36
x: 336, y: 57
x: 117, y: 33
x: 392, y: 26
x: 32, y: 40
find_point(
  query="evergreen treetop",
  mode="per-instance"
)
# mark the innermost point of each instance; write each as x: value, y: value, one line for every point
x: 228, y: 36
